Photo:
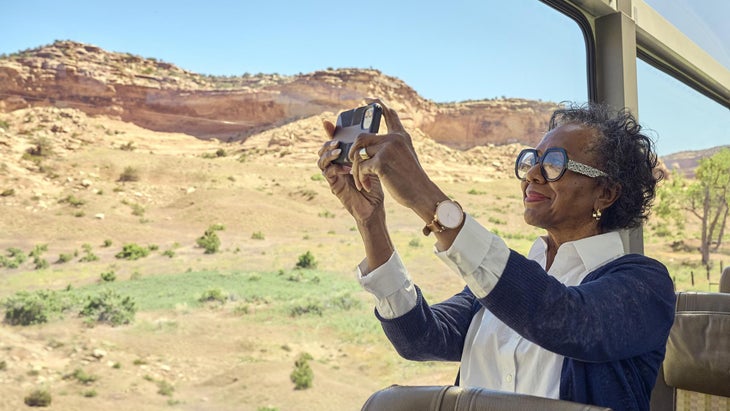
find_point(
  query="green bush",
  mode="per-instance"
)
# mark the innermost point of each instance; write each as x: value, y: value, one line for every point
x: 307, y: 260
x: 133, y: 252
x: 302, y: 376
x: 108, y: 276
x: 213, y: 294
x: 129, y: 174
x: 210, y: 241
x: 37, y: 307
x: 64, y: 258
x: 38, y: 398
x: 165, y: 388
x: 89, y: 255
x: 81, y: 376
x: 258, y: 235
x: 109, y: 307
x: 14, y: 259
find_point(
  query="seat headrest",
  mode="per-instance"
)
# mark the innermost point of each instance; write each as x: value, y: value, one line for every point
x: 454, y: 398
x: 698, y: 349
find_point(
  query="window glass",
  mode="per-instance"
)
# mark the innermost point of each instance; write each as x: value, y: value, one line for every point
x: 704, y: 22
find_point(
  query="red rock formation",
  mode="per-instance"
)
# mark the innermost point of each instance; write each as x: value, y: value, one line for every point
x: 162, y: 97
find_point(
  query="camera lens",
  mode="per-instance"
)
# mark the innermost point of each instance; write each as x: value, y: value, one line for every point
x: 367, y: 120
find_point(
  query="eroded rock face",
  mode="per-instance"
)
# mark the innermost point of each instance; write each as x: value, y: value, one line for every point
x: 162, y: 97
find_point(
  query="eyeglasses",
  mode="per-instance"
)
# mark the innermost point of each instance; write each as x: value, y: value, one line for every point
x: 553, y: 164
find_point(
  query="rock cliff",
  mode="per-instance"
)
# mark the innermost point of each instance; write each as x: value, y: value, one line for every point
x: 163, y: 97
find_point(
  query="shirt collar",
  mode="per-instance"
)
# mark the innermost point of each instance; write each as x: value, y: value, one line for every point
x: 593, y: 251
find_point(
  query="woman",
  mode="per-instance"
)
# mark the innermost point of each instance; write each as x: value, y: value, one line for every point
x: 577, y: 318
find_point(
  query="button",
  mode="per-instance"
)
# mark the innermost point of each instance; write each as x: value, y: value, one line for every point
x: 508, y: 378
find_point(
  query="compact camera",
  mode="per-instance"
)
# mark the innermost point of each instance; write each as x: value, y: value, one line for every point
x: 352, y: 123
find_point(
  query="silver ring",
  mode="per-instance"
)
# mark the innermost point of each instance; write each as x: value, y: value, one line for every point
x: 363, y: 153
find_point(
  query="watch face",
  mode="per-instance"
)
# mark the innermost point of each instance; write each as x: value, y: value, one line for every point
x: 449, y: 214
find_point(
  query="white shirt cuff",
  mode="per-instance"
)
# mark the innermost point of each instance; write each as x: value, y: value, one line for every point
x: 391, y: 285
x: 478, y: 255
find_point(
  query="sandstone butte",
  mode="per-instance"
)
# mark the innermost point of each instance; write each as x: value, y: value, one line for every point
x: 163, y: 97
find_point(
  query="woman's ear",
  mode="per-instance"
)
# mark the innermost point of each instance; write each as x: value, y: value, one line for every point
x: 609, y: 193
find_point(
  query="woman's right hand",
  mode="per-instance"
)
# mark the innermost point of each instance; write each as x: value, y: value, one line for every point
x: 362, y: 204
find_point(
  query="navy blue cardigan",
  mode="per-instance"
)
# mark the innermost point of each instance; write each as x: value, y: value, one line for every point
x: 612, y: 328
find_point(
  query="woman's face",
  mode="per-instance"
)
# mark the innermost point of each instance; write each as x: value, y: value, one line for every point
x: 564, y: 207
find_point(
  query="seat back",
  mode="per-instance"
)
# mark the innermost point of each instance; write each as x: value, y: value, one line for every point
x: 725, y: 280
x: 454, y: 398
x: 696, y: 370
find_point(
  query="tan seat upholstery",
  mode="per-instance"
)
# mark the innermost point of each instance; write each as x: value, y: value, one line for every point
x: 454, y: 398
x: 696, y: 370
x: 725, y: 280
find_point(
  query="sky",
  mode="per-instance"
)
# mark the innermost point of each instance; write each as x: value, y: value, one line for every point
x: 446, y: 51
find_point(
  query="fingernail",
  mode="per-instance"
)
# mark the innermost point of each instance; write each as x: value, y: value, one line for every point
x: 336, y: 152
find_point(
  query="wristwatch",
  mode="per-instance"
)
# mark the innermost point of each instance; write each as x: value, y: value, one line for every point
x: 448, y: 215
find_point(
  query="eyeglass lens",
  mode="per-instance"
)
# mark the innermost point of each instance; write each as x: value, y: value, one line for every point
x: 552, y: 164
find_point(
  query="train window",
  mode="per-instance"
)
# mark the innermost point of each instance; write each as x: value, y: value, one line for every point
x: 681, y: 118
x: 704, y: 22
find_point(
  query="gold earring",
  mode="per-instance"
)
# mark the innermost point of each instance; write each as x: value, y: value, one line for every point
x: 596, y: 214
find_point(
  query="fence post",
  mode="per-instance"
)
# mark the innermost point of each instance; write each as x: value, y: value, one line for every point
x: 692, y: 275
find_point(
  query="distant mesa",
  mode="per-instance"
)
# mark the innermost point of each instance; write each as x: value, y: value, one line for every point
x: 163, y: 97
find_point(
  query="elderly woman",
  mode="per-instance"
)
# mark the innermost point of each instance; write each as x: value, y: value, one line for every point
x: 577, y: 318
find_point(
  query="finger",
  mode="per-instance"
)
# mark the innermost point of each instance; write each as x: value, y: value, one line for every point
x: 328, y: 156
x: 329, y: 128
x: 326, y: 146
x: 391, y: 116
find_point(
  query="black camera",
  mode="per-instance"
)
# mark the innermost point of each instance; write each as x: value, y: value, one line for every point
x: 352, y: 123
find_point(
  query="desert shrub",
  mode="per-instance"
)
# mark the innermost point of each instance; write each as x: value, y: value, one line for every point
x: 165, y: 388
x: 8, y: 192
x: 258, y: 235
x: 415, y: 243
x: 133, y: 251
x: 213, y: 295
x: 168, y: 253
x: 108, y: 276
x: 42, y: 147
x: 64, y: 258
x: 308, y: 308
x: 209, y: 240
x: 38, y: 398
x: 37, y: 307
x: 14, y: 258
x: 307, y: 260
x: 38, y: 261
x: 88, y: 254
x: 128, y: 146
x: 72, y: 201
x: 107, y: 243
x: 81, y: 376
x: 90, y: 393
x: 302, y: 375
x: 109, y: 307
x: 129, y: 174
x: 137, y: 209
x: 267, y: 408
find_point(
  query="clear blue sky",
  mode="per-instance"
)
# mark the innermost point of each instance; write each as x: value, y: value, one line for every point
x: 446, y: 51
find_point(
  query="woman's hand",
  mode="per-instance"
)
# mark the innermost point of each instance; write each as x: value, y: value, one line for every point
x: 362, y: 204
x: 393, y: 160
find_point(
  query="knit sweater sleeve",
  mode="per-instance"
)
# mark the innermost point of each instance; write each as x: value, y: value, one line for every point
x: 430, y: 333
x: 620, y: 310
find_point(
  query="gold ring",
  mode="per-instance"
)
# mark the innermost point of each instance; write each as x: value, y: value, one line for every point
x: 363, y: 153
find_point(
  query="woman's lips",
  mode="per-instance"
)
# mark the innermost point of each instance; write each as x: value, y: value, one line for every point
x: 532, y: 196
